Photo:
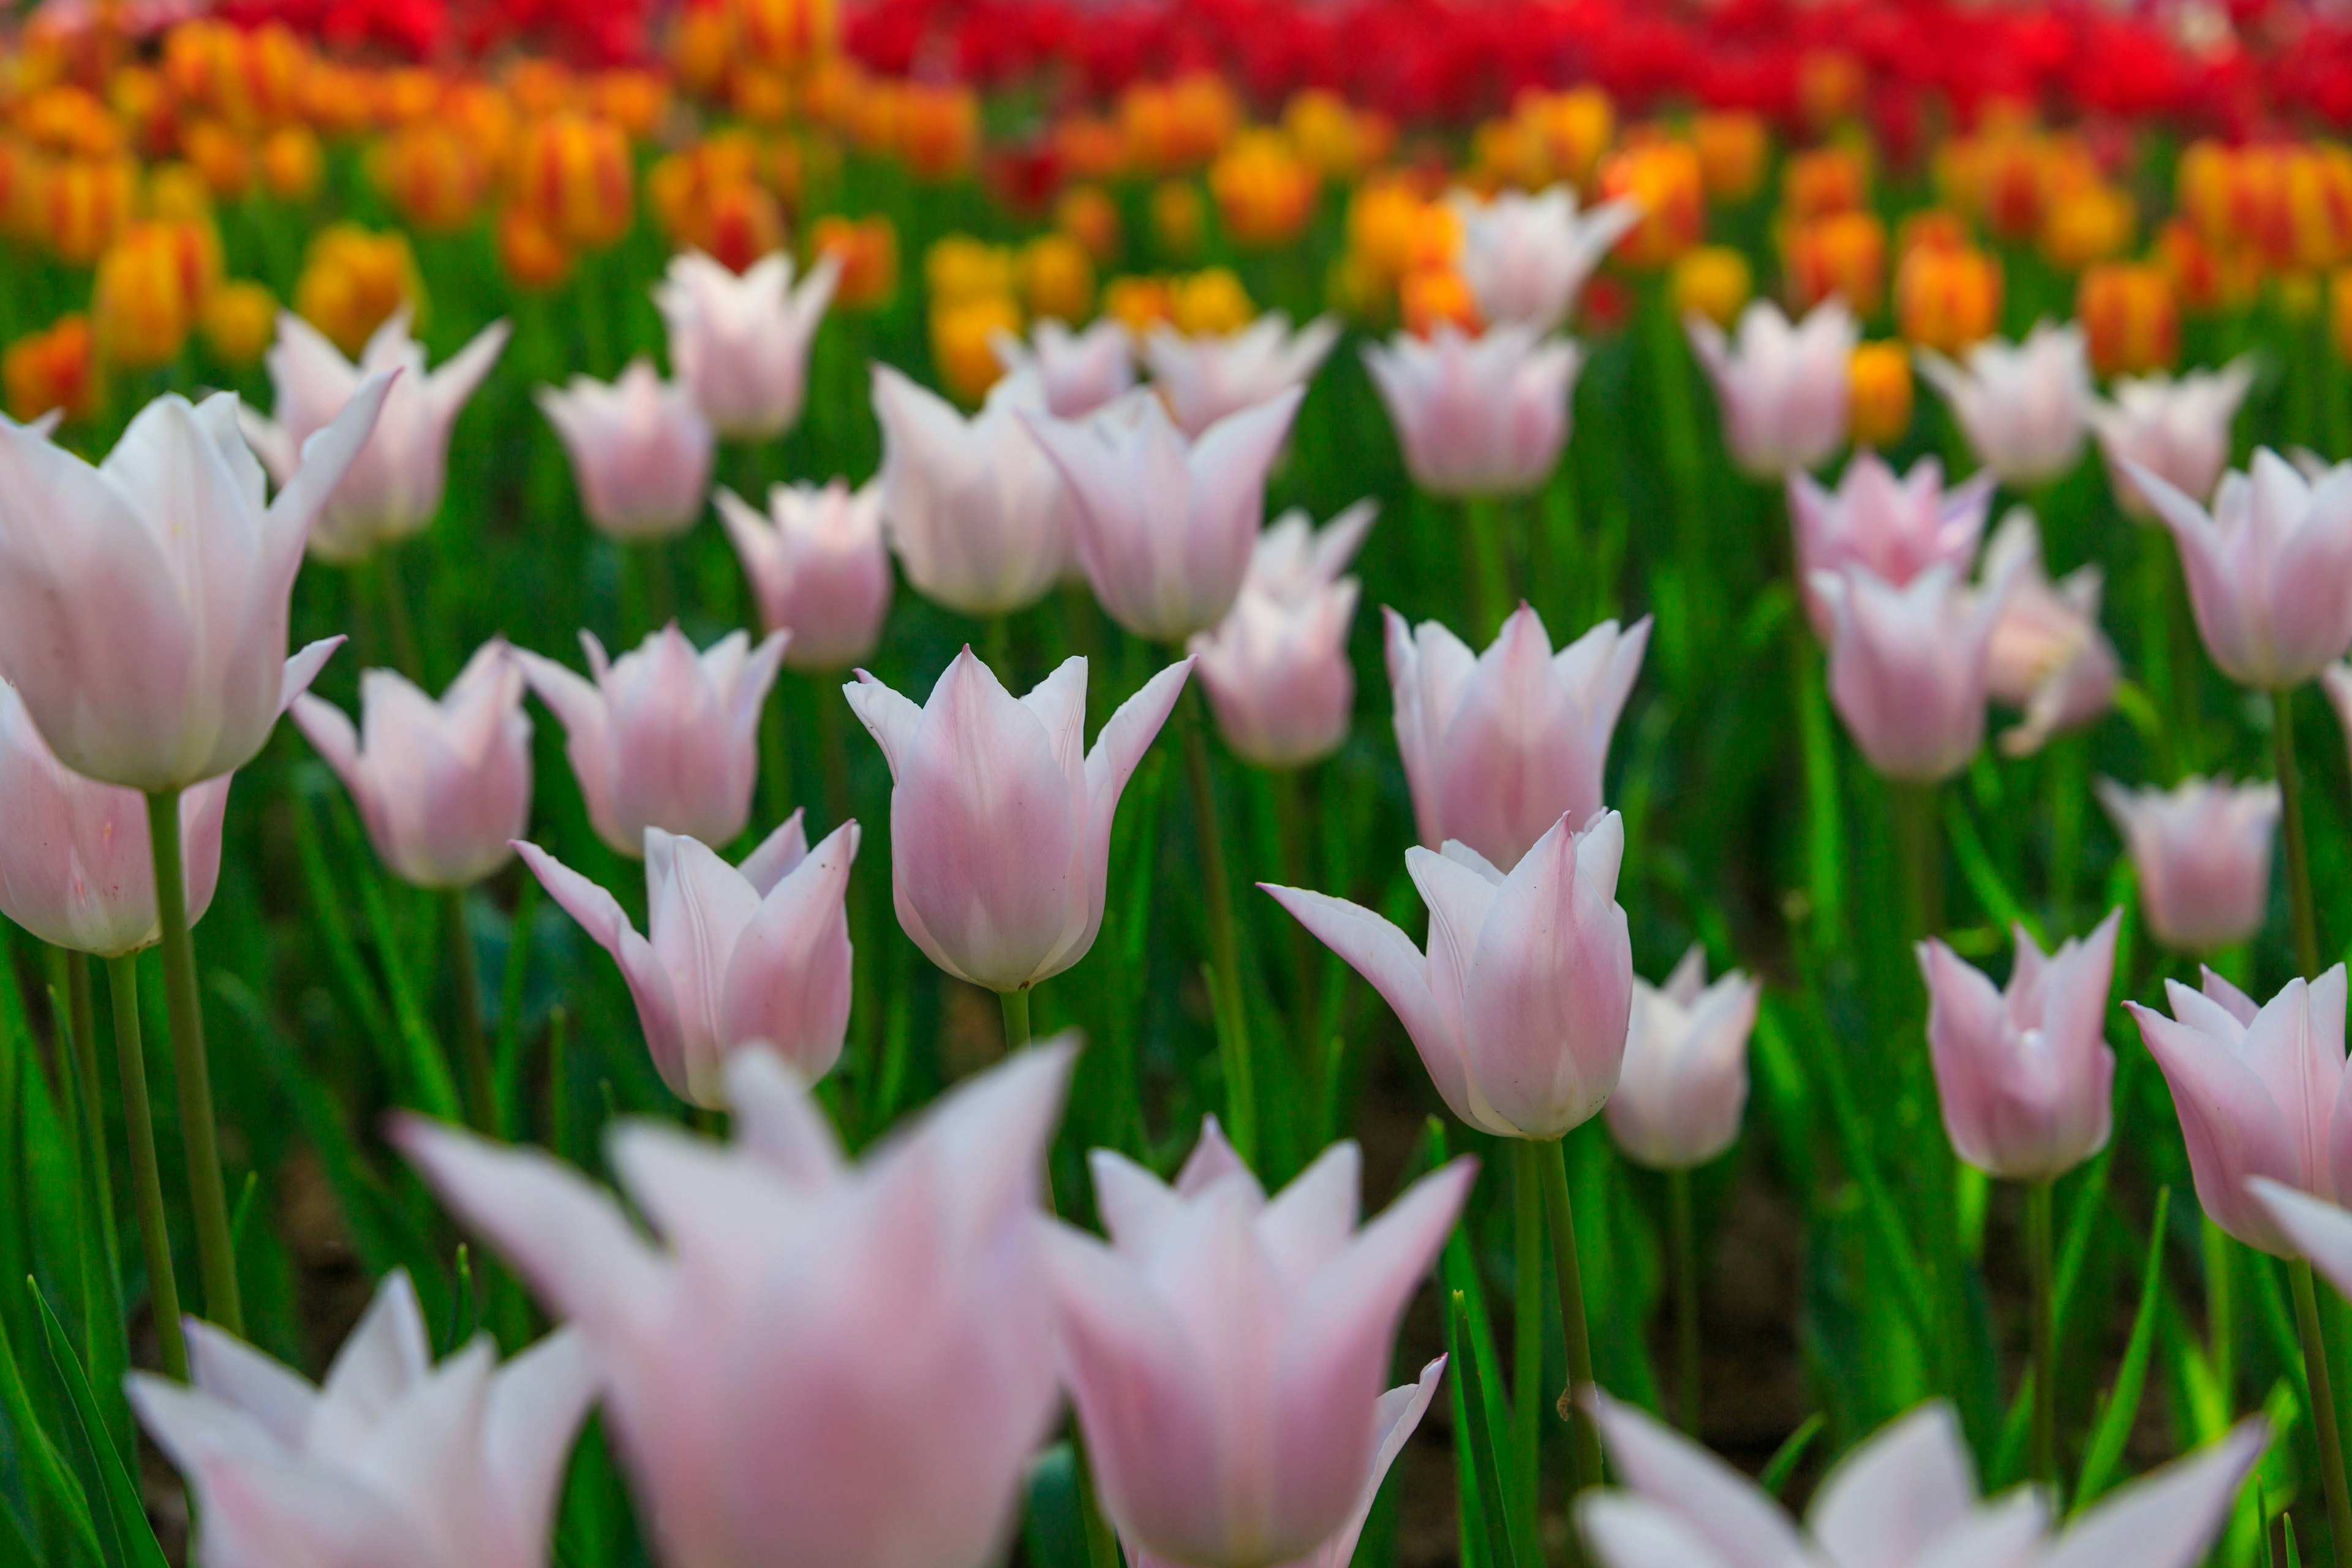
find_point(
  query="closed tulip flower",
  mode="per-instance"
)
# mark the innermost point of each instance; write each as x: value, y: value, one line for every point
x: 662, y: 737
x: 977, y: 513
x: 394, y: 1463
x: 1895, y: 526
x: 740, y: 344
x: 825, y: 1364
x: 734, y: 956
x: 1519, y: 1007
x: 640, y: 451
x: 1498, y: 746
x: 999, y: 820
x: 818, y: 565
x: 2259, y: 1092
x: 2049, y: 656
x: 443, y: 786
x: 1909, y: 667
x: 1685, y: 1081
x: 2201, y: 854
x: 2176, y: 428
x: 2024, y: 407
x: 1212, y: 376
x: 392, y: 489
x: 1268, y: 1385
x: 1277, y: 669
x: 1526, y: 257
x: 1478, y: 416
x: 2024, y: 1073
x: 1078, y: 372
x: 1782, y: 387
x: 144, y: 603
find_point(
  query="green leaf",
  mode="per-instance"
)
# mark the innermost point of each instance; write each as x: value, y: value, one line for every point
x: 1791, y: 1451
x: 1475, y: 1448
x: 2109, y: 1432
x: 52, y: 1481
x: 134, y: 1537
x: 1052, y: 1535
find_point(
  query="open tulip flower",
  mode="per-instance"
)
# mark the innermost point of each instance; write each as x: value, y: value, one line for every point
x: 1526, y: 257
x: 1781, y: 385
x: 818, y: 565
x: 640, y: 451
x: 2048, y: 655
x: 1078, y: 372
x: 2024, y: 407
x: 740, y: 344
x: 1910, y: 666
x: 2201, y: 854
x: 1895, y: 526
x: 1685, y: 1081
x: 2176, y: 428
x: 1478, y: 416
x: 1201, y: 379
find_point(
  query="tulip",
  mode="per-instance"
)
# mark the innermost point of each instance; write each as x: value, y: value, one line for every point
x: 1897, y: 527
x: 1478, y: 416
x: 1294, y: 560
x: 1166, y: 523
x: 2258, y: 1093
x: 758, y: 954
x: 2023, y: 407
x: 825, y: 1364
x: 1498, y: 746
x: 740, y: 344
x: 394, y: 1463
x: 818, y: 565
x: 1236, y: 1426
x: 1277, y: 669
x: 442, y: 786
x: 1685, y: 1081
x: 978, y: 515
x: 392, y: 489
x: 144, y: 602
x: 1215, y: 376
x: 2178, y: 429
x: 1909, y: 665
x: 1000, y: 828
x: 1078, y: 372
x: 2049, y: 655
x: 2201, y: 854
x: 1782, y: 386
x: 640, y: 451
x: 2269, y: 568
x: 660, y: 737
x: 1526, y: 257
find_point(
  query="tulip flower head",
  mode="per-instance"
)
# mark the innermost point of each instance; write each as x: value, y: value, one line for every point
x: 1895, y: 526
x: 1478, y: 416
x: 740, y: 344
x: 1276, y: 669
x: 2024, y: 407
x: 1909, y: 667
x: 2201, y: 854
x: 1520, y: 1005
x: 818, y: 565
x: 1238, y: 1426
x: 1684, y: 1082
x: 2176, y: 428
x: 1078, y: 372
x: 1782, y: 386
x: 2049, y: 655
x: 999, y: 820
x: 1201, y: 379
x: 640, y: 451
x: 1526, y: 257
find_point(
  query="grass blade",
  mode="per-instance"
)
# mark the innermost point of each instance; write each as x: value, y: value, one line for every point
x: 2114, y: 1425
x: 135, y: 1537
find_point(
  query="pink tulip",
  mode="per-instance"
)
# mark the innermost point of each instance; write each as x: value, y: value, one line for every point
x: 2313, y: 1228
x: 1478, y: 416
x: 2178, y: 429
x: 755, y: 955
x: 976, y: 512
x: 2024, y: 1073
x: 1294, y: 560
x: 2269, y: 569
x: 2023, y: 406
x: 443, y: 786
x: 1166, y: 523
x: 1078, y: 372
x: 1226, y: 1353
x: 1781, y: 385
x: 1203, y: 380
x: 76, y: 864
x: 1894, y: 527
x: 740, y: 344
x: 999, y: 820
x: 1277, y: 669
x: 823, y: 1364
x: 818, y: 567
x: 1684, y: 1082
x: 1520, y: 1006
x: 2201, y: 852
x: 660, y: 737
x: 1526, y: 257
x: 393, y: 489
x: 640, y: 451
x: 144, y: 603
x: 2048, y: 655
x: 394, y: 1463
x: 1498, y: 746
x: 1909, y: 667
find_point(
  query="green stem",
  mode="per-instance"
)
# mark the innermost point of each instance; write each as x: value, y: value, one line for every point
x: 833, y: 759
x: 1490, y: 574
x: 473, y: 1047
x: 399, y: 627
x: 1102, y: 1546
x: 2220, y: 1347
x: 146, y: 1174
x: 1571, y: 1319
x: 1528, y: 1328
x: 93, y: 1109
x: 661, y: 584
x: 2298, y: 862
x: 1921, y: 852
x: 1686, y: 1247
x: 207, y: 1195
x: 1224, y: 950
x: 1291, y: 817
x: 1016, y: 1018
x: 2038, y: 1267
x: 2321, y: 1399
x: 2158, y: 618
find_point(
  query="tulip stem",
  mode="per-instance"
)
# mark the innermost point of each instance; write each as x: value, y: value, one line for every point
x: 1016, y: 1018
x: 473, y: 1047
x: 399, y: 627
x: 207, y: 1195
x: 1528, y: 1326
x: 1921, y: 853
x: 1571, y: 1319
x: 2038, y: 1264
x: 1490, y: 575
x: 1291, y: 818
x: 93, y: 1110
x: 2321, y: 1399
x: 2298, y: 862
x: 146, y: 1174
x: 1224, y: 952
x: 1685, y: 1237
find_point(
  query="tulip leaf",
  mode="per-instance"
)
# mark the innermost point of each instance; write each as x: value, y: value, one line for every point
x: 2114, y: 1425
x: 1785, y: 1458
x: 135, y: 1543
x: 1477, y: 1432
x: 1053, y: 1534
x: 53, y: 1482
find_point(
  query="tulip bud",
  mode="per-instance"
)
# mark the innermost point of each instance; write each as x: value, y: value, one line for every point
x: 818, y: 567
x: 741, y: 345
x: 640, y: 451
x: 2201, y: 854
x: 1526, y: 257
x: 1781, y: 387
x: 1909, y: 665
x: 1205, y: 378
x: 1276, y: 669
x: 1685, y: 1081
x: 1478, y: 416
x: 2023, y: 407
x: 2178, y: 429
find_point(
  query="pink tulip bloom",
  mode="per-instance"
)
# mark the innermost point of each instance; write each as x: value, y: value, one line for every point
x: 2024, y: 407
x: 1905, y: 1498
x: 1293, y: 559
x: 1478, y: 416
x: 75, y: 863
x: 2269, y: 569
x: 1498, y: 746
x: 1226, y: 1353
x: 819, y: 1363
x: 443, y: 786
x: 2259, y: 1092
x: 662, y: 737
x: 2313, y: 1227
x: 2024, y: 1073
x: 1528, y: 257
x: 2201, y: 852
x: 740, y: 344
x: 1166, y: 523
x: 1277, y: 669
x: 2176, y: 428
x: 640, y: 451
x: 1078, y: 372
x: 1203, y: 380
x: 2048, y: 655
x: 394, y: 1463
x: 818, y: 567
x: 1780, y: 386
x: 1909, y: 667
x: 393, y: 489
x: 1519, y: 1007
x: 144, y: 603
x: 1684, y: 1082
x: 1894, y: 527
x: 741, y: 956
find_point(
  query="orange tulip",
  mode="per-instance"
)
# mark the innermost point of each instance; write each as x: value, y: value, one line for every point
x: 1733, y: 146
x: 1843, y: 254
x: 1946, y: 298
x: 2130, y: 317
x: 572, y: 173
x: 55, y: 368
x: 1663, y: 176
x: 352, y: 281
x: 1878, y: 394
x: 963, y: 343
x: 1712, y: 280
x: 868, y: 251
x: 1265, y: 191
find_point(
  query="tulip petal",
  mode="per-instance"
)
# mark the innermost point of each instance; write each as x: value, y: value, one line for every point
x: 1737, y: 1522
x: 2232, y: 1129
x: 536, y: 1402
x: 600, y: 915
x: 2169, y: 1518
x: 891, y: 719
x: 1622, y: 1530
x: 272, y: 1394
x: 1133, y: 1205
x: 1889, y: 1500
x: 1311, y: 1221
x: 777, y: 855
x: 779, y: 1121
